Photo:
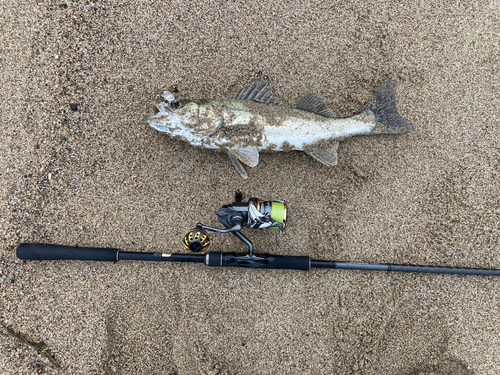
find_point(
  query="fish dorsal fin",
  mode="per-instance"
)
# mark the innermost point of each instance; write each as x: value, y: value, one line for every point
x: 327, y: 112
x: 327, y: 156
x: 313, y: 103
x: 258, y: 91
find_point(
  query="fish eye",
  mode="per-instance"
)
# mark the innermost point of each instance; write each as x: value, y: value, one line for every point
x: 177, y: 105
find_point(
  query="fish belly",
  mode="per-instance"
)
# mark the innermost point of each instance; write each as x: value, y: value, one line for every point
x: 298, y: 133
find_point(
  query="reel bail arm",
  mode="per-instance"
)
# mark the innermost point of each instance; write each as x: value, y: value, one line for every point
x: 234, y: 223
x: 236, y: 231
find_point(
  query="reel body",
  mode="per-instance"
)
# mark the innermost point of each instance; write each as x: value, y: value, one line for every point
x: 253, y: 214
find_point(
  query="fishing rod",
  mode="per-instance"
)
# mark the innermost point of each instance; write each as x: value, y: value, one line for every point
x: 253, y: 214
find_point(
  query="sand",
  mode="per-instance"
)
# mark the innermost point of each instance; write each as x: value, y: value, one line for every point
x: 99, y: 176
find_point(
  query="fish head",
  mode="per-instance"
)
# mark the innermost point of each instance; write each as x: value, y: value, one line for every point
x: 193, y: 121
x: 178, y: 119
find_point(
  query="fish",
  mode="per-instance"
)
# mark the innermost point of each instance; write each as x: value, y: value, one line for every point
x: 254, y: 120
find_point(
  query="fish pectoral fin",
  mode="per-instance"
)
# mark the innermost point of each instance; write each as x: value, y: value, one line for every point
x: 258, y: 91
x: 248, y: 155
x: 238, y: 166
x: 314, y: 103
x: 327, y: 156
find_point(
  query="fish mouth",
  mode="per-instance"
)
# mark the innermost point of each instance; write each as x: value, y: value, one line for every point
x: 158, y: 121
x: 161, y: 127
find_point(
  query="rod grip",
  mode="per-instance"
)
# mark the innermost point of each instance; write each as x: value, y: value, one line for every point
x: 262, y: 261
x: 39, y: 251
x: 282, y: 262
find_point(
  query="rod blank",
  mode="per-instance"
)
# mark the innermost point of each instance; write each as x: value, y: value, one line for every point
x: 404, y: 268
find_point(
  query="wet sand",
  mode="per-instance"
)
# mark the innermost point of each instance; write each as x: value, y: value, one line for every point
x: 99, y: 176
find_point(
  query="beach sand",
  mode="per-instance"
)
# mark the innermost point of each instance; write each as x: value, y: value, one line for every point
x: 99, y: 176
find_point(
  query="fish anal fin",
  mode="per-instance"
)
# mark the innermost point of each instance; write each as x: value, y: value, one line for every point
x: 258, y: 91
x: 327, y: 156
x: 315, y: 103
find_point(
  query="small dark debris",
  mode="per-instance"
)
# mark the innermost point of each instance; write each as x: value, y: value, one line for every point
x: 38, y: 368
x: 74, y: 106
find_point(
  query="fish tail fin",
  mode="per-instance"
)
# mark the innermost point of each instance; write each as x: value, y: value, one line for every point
x: 383, y: 107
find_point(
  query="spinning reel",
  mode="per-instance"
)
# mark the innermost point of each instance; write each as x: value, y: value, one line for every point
x: 253, y: 214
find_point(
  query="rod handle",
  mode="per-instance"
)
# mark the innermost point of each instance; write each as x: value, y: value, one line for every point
x: 282, y: 262
x: 40, y: 251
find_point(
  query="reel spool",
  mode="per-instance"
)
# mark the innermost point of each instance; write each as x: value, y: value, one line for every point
x: 196, y: 240
x: 276, y: 210
x: 254, y: 214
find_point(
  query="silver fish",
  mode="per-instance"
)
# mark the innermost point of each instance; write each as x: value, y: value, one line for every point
x: 254, y: 120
